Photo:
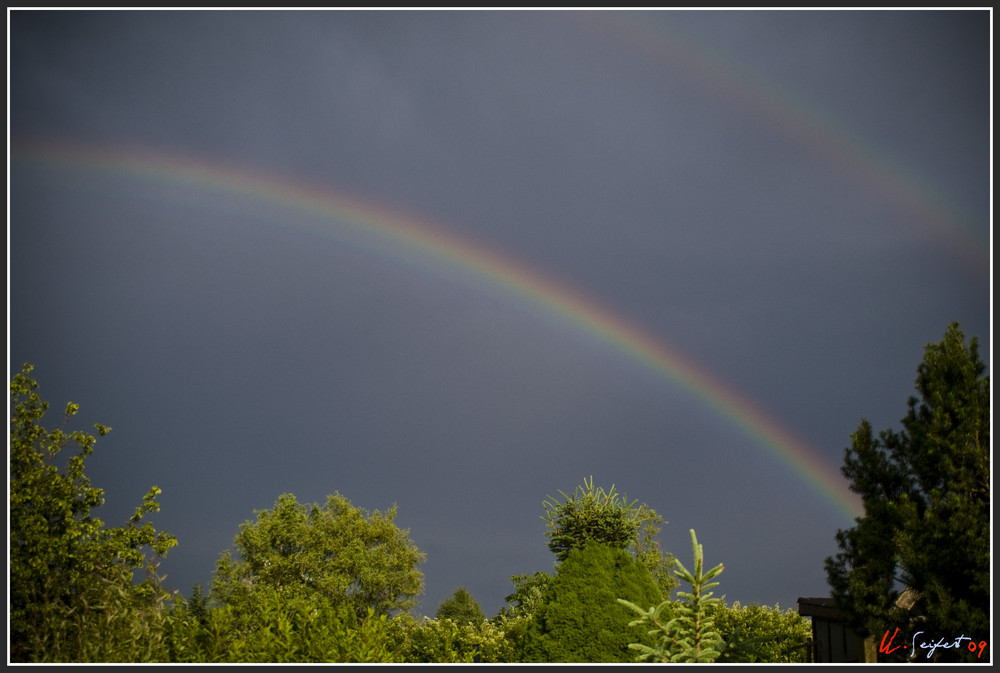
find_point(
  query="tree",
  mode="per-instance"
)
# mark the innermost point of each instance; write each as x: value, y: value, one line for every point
x: 926, y: 495
x: 590, y: 515
x: 335, y: 553
x: 606, y: 517
x: 515, y: 618
x: 445, y: 641
x: 72, y: 593
x: 460, y: 608
x: 529, y: 591
x: 647, y: 550
x: 685, y: 629
x: 198, y: 605
x: 277, y: 632
x: 441, y: 641
x: 578, y: 619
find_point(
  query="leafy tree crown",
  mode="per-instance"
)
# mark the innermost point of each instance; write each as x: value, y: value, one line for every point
x: 335, y: 552
x: 72, y: 590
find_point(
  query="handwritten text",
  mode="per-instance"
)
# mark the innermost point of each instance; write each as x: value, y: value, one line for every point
x: 888, y: 644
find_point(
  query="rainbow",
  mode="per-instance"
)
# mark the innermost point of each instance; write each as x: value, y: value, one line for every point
x: 434, y: 244
x: 925, y: 208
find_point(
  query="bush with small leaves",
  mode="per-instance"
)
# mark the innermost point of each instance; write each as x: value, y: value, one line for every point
x: 760, y: 634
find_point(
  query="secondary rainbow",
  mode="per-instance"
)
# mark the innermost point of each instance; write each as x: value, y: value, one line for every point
x: 413, y: 236
x: 871, y: 169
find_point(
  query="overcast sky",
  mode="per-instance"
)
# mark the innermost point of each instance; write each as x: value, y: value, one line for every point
x: 460, y: 261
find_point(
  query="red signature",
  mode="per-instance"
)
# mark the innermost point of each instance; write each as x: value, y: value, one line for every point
x: 929, y: 645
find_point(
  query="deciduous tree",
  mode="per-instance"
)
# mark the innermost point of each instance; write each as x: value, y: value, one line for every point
x: 335, y: 552
x: 761, y: 634
x: 72, y: 592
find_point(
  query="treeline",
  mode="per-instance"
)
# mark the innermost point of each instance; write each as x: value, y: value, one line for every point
x: 331, y: 582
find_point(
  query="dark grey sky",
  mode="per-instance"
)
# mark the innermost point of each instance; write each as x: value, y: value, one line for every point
x: 794, y: 202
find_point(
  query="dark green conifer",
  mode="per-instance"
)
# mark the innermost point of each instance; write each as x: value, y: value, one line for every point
x: 926, y: 494
x: 460, y: 608
x: 578, y: 619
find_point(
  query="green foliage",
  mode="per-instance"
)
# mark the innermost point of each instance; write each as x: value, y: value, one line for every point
x: 590, y: 515
x: 593, y: 514
x: 433, y: 640
x: 503, y: 638
x: 496, y: 646
x: 685, y: 629
x: 334, y: 554
x: 540, y: 623
x: 72, y: 592
x: 759, y: 634
x: 647, y: 550
x: 460, y: 608
x: 926, y: 494
x: 529, y: 592
x: 198, y: 605
x: 515, y: 617
x: 328, y: 583
x: 445, y: 641
x: 578, y: 619
x: 279, y: 633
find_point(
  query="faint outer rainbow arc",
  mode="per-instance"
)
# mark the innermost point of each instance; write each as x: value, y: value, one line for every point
x: 448, y: 247
x: 861, y: 162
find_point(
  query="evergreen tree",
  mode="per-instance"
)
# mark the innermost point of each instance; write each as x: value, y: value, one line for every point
x: 590, y: 515
x: 593, y: 514
x: 578, y: 619
x: 685, y: 629
x: 198, y: 605
x: 460, y: 608
x: 926, y: 494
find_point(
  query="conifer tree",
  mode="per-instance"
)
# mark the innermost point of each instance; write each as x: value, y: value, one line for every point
x: 578, y: 619
x: 590, y: 515
x: 460, y: 608
x: 926, y: 494
x: 594, y: 515
x: 685, y: 629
